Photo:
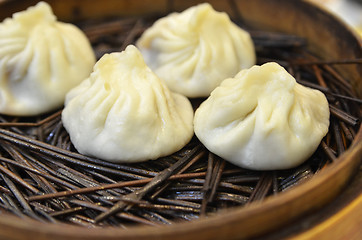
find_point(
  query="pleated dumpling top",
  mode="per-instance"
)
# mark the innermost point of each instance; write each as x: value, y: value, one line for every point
x: 262, y: 119
x: 193, y: 51
x: 41, y: 59
x: 124, y: 113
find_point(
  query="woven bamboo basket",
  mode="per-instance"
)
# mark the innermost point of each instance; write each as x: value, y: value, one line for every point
x: 327, y: 37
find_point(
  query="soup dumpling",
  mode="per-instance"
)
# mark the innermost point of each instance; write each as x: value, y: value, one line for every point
x: 124, y: 113
x: 193, y: 51
x: 41, y: 59
x: 262, y: 119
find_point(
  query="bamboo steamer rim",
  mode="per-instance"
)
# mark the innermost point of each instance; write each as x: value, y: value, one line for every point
x: 240, y: 222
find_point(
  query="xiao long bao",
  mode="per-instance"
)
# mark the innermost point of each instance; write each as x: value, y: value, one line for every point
x: 262, y: 119
x: 41, y: 59
x: 194, y: 50
x: 124, y: 113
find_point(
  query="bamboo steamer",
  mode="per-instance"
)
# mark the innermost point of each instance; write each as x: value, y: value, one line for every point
x: 327, y: 37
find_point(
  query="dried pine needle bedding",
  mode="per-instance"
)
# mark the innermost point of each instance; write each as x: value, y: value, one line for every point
x: 44, y: 178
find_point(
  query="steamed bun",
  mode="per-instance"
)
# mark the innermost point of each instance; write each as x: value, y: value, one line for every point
x: 124, y: 113
x: 41, y: 59
x: 262, y: 119
x: 195, y: 50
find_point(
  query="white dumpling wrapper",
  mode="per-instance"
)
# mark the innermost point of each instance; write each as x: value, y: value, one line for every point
x: 41, y: 59
x: 262, y: 119
x: 193, y: 51
x: 124, y: 113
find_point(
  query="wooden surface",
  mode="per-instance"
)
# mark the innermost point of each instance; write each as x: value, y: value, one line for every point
x: 345, y: 224
x: 339, y: 219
